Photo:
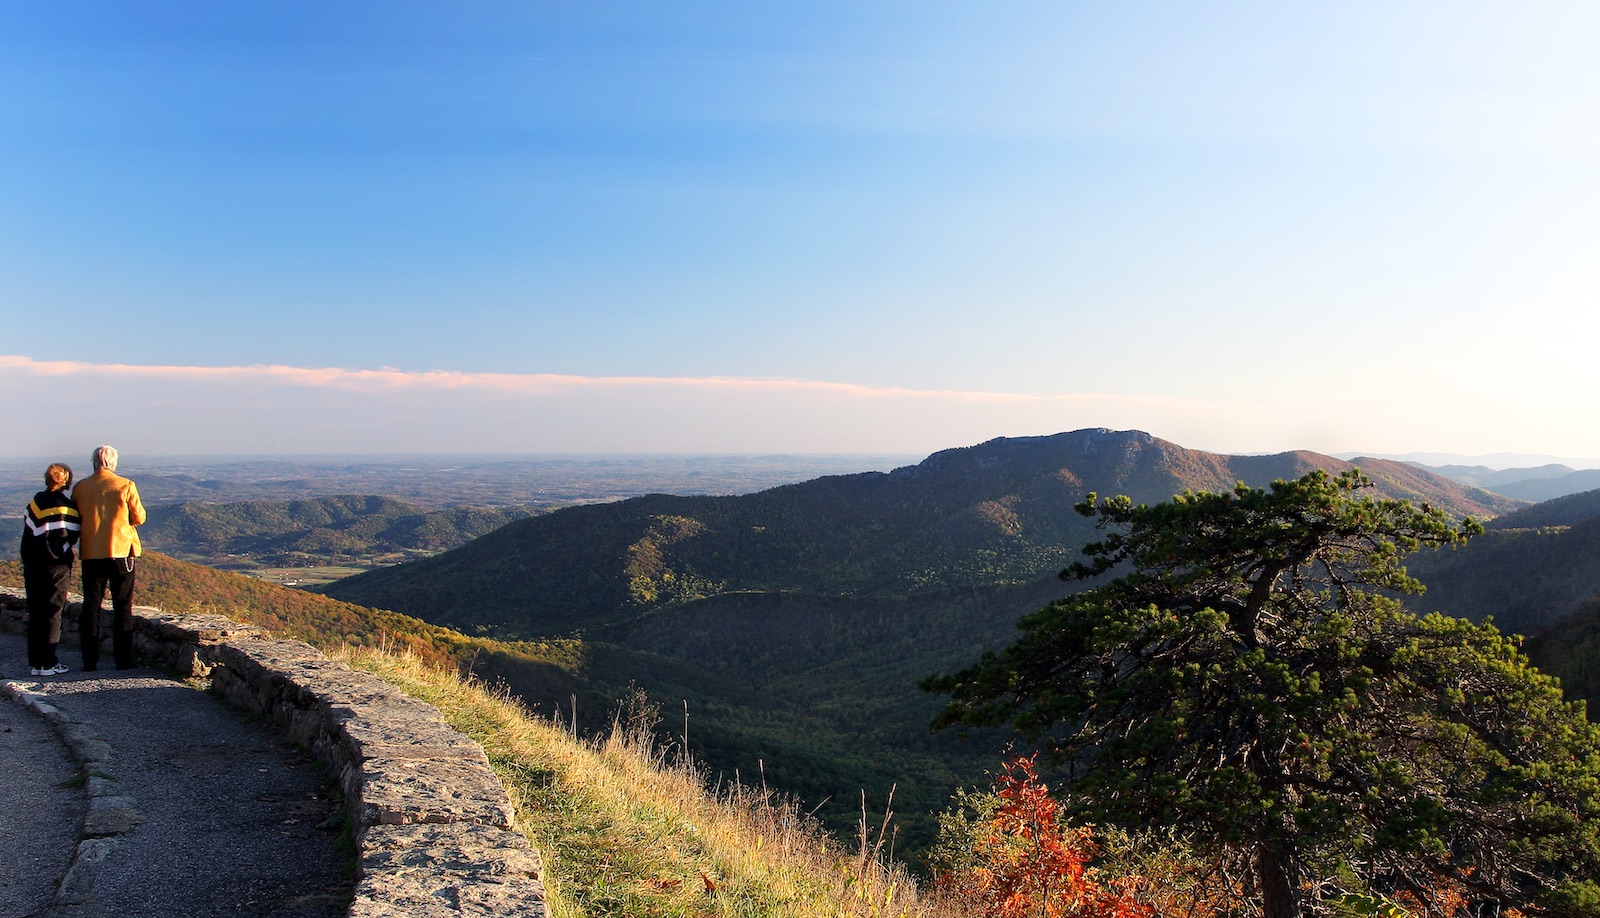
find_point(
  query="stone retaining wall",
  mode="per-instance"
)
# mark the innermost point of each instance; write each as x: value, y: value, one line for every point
x: 432, y: 823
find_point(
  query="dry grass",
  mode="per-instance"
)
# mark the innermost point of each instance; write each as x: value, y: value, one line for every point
x: 627, y: 830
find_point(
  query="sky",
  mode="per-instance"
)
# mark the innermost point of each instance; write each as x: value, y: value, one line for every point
x: 360, y: 227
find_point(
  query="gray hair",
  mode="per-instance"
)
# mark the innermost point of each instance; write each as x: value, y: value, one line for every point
x: 105, y: 457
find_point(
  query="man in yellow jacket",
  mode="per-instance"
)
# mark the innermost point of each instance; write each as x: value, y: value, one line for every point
x: 108, y: 509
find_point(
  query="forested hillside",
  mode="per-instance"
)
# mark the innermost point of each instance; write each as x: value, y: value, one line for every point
x: 793, y: 624
x: 1570, y: 651
x: 1535, y: 572
x: 1529, y: 570
x: 976, y: 518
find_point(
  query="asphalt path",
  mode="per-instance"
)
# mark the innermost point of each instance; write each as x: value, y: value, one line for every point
x: 134, y: 793
x: 41, y: 810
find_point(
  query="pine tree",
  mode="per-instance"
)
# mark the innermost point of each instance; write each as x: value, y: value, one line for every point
x: 1250, y: 677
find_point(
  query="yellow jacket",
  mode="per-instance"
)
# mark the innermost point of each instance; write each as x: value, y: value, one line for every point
x: 108, y: 508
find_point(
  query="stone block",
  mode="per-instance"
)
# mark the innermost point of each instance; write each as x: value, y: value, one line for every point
x: 102, y: 786
x: 405, y: 791
x: 195, y: 628
x: 111, y: 816
x: 401, y: 736
x: 456, y: 871
x: 431, y: 896
x: 267, y: 658
x: 77, y: 887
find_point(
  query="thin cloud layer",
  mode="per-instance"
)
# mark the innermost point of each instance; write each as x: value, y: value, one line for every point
x: 388, y: 378
x: 274, y: 408
x: 70, y: 406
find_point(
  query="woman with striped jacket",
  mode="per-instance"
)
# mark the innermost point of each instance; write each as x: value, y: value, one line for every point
x: 49, y: 535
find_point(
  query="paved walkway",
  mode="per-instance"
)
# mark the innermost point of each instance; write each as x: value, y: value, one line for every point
x: 41, y: 810
x: 189, y: 810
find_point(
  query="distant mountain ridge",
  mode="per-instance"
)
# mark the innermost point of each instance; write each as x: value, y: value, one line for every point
x: 1539, y: 489
x: 992, y: 515
x: 1482, y: 476
x: 1539, y: 483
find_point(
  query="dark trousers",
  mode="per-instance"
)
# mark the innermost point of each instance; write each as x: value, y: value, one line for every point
x: 46, y: 585
x: 100, y: 575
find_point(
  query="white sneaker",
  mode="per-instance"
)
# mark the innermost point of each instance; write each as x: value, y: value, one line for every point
x: 55, y: 670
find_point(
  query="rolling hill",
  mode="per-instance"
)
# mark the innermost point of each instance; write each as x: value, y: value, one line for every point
x: 318, y: 526
x: 352, y: 530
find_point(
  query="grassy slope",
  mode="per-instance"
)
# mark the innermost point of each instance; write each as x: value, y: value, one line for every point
x: 549, y: 669
x: 624, y: 831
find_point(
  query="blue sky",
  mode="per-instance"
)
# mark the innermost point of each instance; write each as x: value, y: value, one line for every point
x: 777, y: 227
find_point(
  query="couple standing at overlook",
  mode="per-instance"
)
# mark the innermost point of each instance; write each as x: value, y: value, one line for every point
x: 99, y: 518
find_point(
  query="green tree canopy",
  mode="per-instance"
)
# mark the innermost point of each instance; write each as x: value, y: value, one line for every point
x: 1250, y: 677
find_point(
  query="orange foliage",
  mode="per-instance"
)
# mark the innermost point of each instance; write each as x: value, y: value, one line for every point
x: 1446, y: 897
x: 1028, y: 864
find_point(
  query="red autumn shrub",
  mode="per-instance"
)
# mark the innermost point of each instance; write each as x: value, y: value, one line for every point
x: 1026, y: 863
